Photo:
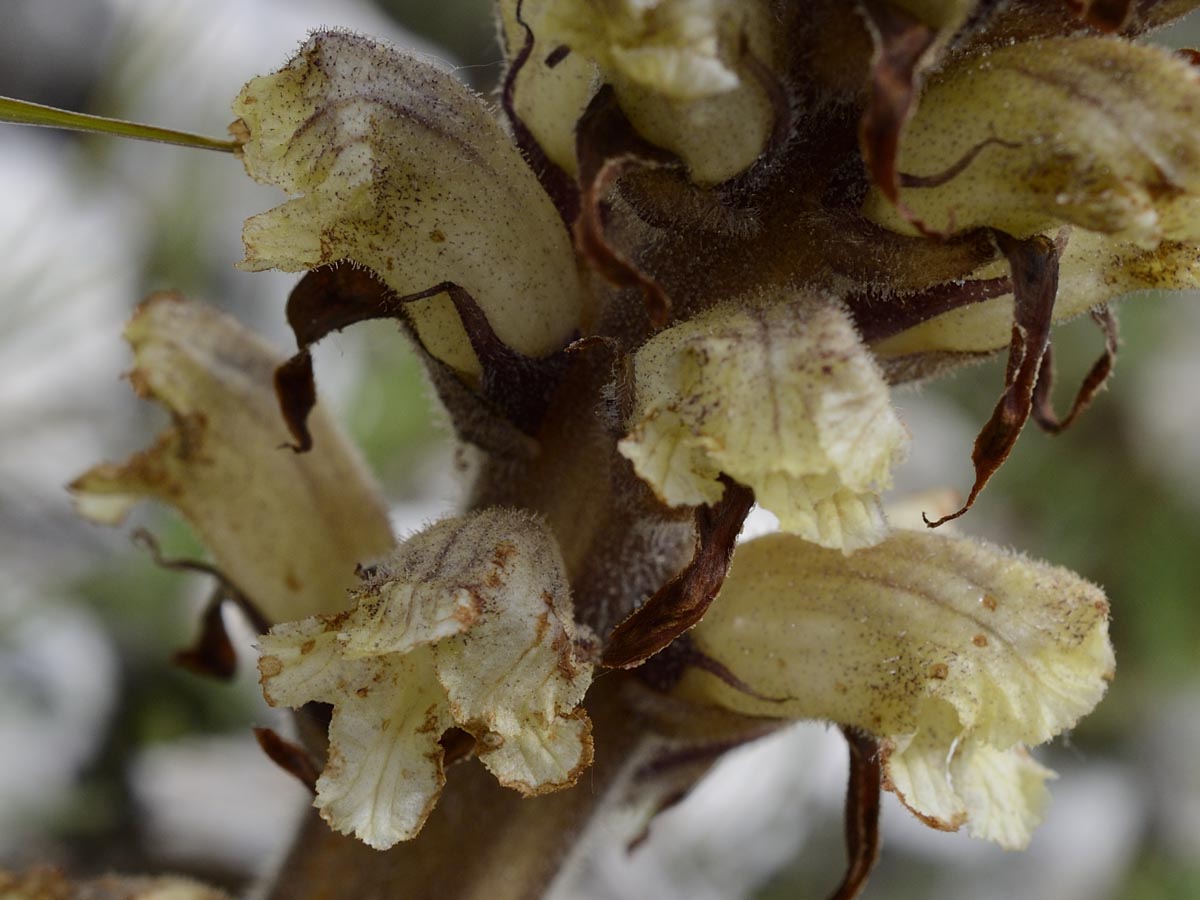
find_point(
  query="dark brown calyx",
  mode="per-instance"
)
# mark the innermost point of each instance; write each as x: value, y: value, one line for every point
x: 608, y: 147
x: 862, y: 813
x: 289, y: 756
x: 681, y: 602
x: 901, y: 45
x: 517, y: 387
x: 1093, y: 382
x: 1034, y: 265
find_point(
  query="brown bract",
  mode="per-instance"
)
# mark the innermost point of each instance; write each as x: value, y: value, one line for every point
x: 682, y: 602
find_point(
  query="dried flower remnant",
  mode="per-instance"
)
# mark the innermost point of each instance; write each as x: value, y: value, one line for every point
x: 469, y: 624
x: 287, y: 530
x: 956, y: 655
x: 782, y: 397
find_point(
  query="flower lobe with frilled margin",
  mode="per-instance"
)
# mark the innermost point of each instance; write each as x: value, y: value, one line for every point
x: 469, y: 624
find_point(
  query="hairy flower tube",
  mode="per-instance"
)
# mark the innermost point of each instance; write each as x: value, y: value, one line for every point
x: 955, y: 654
x: 400, y: 169
x: 219, y: 465
x: 675, y: 272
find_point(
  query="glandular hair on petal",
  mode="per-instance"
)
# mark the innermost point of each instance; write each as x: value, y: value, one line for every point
x: 395, y: 165
x: 782, y: 397
x: 954, y: 653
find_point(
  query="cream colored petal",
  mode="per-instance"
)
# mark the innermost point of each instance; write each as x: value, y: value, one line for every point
x: 549, y: 100
x: 952, y: 652
x: 538, y: 760
x: 1004, y: 791
x: 916, y: 768
x: 398, y: 167
x: 677, y: 69
x: 1098, y: 132
x: 672, y: 47
x: 516, y: 677
x: 822, y: 510
x: 1000, y: 795
x: 666, y: 455
x: 441, y: 580
x: 404, y: 616
x: 1094, y: 269
x: 783, y: 398
x: 717, y: 137
x: 519, y: 668
x: 488, y: 593
x: 288, y: 529
x: 384, y: 771
x: 300, y: 662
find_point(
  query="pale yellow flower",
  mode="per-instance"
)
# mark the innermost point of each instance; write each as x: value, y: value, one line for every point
x: 954, y: 654
x: 395, y: 165
x: 679, y: 69
x: 782, y: 397
x: 286, y: 529
x: 468, y: 623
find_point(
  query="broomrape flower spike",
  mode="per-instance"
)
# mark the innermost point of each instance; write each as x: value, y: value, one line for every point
x: 677, y: 281
x: 469, y: 624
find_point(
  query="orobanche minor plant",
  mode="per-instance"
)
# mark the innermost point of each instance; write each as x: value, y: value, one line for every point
x: 673, y: 273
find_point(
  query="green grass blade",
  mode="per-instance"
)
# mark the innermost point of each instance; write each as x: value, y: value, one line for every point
x: 22, y: 112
